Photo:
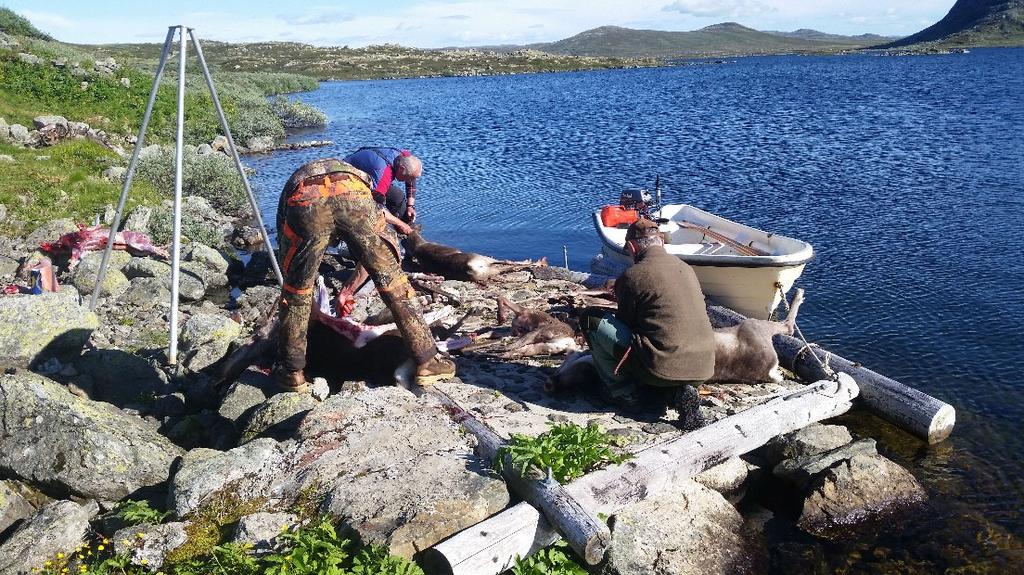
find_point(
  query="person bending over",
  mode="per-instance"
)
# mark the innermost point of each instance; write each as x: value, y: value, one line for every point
x: 323, y: 202
x: 385, y: 165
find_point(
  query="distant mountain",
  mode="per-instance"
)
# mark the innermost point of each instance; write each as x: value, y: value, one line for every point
x: 814, y: 35
x: 728, y: 38
x: 974, y: 23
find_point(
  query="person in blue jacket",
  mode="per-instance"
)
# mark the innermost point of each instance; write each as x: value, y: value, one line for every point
x: 386, y: 165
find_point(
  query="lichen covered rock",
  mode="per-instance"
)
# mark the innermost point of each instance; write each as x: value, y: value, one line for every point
x: 689, y: 529
x: 56, y: 528
x: 85, y: 448
x: 205, y: 339
x: 34, y: 326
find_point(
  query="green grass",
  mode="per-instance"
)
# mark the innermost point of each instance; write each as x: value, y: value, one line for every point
x: 316, y: 549
x: 36, y: 190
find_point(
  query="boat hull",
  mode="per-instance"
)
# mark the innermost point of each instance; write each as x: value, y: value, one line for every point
x: 750, y: 284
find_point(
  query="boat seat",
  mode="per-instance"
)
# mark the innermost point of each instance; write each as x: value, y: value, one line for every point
x: 710, y: 249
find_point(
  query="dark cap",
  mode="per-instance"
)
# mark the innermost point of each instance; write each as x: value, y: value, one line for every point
x: 642, y: 228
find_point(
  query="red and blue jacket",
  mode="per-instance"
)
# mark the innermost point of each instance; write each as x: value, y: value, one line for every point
x: 378, y: 164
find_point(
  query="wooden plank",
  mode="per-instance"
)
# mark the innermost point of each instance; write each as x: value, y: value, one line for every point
x: 586, y: 534
x: 491, y: 546
x: 910, y: 409
x: 707, y: 231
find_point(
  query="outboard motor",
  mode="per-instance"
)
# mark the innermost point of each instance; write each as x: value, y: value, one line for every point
x: 637, y: 200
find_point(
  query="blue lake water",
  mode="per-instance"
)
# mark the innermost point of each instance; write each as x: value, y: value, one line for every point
x: 905, y: 173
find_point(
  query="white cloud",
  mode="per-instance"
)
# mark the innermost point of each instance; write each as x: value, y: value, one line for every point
x: 724, y: 9
x: 48, y: 20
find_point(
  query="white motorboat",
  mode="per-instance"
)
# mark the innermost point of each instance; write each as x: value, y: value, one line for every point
x: 738, y: 266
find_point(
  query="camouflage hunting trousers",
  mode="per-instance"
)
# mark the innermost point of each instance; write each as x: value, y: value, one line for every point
x: 319, y: 212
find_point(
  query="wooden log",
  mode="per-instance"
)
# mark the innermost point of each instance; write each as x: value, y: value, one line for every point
x: 491, y: 546
x: 586, y: 534
x: 910, y: 409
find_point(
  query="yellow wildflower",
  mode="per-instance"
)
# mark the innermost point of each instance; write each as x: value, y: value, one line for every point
x: 100, y: 547
x: 60, y: 555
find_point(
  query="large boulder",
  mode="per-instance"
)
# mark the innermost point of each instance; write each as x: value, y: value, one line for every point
x: 278, y: 416
x: 689, y: 529
x: 57, y: 528
x: 801, y: 471
x: 114, y: 281
x: 861, y: 487
x: 190, y: 276
x: 17, y: 134
x: 245, y: 394
x: 48, y: 120
x: 146, y: 293
x: 244, y: 473
x: 209, y: 257
x: 390, y: 465
x: 138, y: 220
x: 395, y: 468
x: 261, y: 530
x: 814, y: 439
x: 33, y: 327
x: 205, y: 339
x: 73, y: 445
x: 51, y: 231
x: 122, y: 378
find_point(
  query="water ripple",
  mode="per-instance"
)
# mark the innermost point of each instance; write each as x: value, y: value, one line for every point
x: 906, y: 174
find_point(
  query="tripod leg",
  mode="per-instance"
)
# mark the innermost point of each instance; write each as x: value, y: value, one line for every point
x: 139, y: 144
x: 234, y: 155
x: 172, y: 353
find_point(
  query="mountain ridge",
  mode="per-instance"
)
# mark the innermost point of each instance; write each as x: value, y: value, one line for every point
x: 973, y: 23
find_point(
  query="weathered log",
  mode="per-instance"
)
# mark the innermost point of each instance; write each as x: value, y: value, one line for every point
x: 491, y: 546
x: 586, y: 534
x: 910, y: 409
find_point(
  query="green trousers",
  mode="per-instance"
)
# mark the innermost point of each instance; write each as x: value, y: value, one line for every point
x: 627, y: 383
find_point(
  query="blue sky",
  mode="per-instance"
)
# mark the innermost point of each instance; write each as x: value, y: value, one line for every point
x: 437, y: 23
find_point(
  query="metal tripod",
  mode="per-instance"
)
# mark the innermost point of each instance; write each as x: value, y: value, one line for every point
x: 172, y: 354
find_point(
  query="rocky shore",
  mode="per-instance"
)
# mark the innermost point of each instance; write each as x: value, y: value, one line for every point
x: 91, y: 417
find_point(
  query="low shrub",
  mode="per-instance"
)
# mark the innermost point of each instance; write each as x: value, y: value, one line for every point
x: 61, y: 182
x: 296, y: 114
x: 316, y: 549
x: 18, y: 25
x: 211, y: 176
x: 569, y: 450
x: 557, y: 559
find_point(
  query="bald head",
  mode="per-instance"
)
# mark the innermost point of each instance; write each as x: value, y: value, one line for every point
x: 408, y: 168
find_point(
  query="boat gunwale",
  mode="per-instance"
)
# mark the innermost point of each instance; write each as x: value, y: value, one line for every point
x: 797, y: 258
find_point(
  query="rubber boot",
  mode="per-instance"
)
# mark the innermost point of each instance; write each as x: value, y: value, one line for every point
x: 435, y: 369
x: 290, y: 381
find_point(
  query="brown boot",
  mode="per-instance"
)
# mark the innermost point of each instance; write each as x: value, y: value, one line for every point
x: 437, y: 368
x: 290, y: 381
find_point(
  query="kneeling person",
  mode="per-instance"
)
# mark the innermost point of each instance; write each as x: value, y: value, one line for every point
x: 659, y: 343
x: 323, y: 202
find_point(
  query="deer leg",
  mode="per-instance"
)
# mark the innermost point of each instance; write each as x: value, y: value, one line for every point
x: 504, y: 307
x: 794, y: 308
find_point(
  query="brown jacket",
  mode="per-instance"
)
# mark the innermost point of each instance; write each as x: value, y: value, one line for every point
x: 661, y: 302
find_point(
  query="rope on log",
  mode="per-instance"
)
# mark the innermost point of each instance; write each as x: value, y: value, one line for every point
x: 910, y: 409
